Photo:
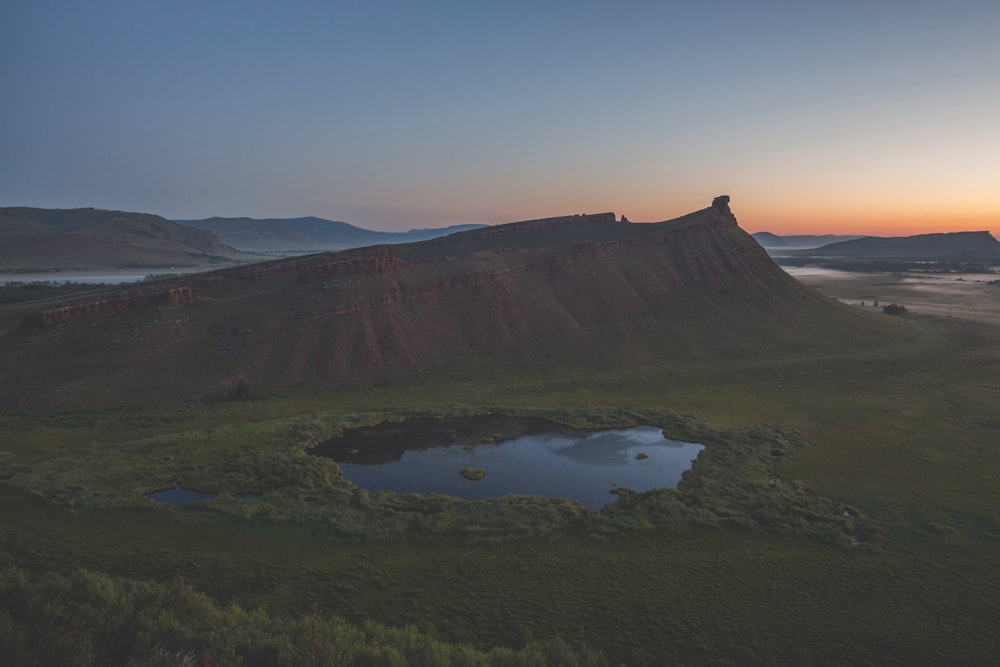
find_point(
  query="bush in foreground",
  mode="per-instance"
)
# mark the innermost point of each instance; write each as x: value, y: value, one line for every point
x: 89, y: 618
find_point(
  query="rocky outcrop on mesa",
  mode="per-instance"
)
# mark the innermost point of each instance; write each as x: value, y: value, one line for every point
x: 571, y: 292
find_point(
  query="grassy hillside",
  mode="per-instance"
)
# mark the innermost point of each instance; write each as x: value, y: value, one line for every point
x: 42, y: 239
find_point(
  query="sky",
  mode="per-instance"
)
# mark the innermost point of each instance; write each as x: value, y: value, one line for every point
x: 854, y: 117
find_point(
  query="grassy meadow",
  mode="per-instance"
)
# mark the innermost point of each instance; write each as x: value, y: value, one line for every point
x: 846, y: 510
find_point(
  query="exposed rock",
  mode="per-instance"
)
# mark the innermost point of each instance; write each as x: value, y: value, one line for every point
x: 112, y: 303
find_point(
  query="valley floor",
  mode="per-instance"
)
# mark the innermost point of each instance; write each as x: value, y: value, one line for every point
x: 968, y: 296
x: 905, y: 436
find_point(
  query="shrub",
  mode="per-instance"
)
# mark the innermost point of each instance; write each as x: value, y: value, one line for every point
x: 894, y: 309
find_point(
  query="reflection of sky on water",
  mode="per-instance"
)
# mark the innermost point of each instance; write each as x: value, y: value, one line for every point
x: 582, y: 469
x: 96, y: 277
x: 179, y: 496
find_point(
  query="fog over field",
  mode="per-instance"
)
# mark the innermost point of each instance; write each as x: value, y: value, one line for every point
x: 969, y: 296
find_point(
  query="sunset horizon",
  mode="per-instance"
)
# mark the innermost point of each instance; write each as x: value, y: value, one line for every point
x: 839, y: 120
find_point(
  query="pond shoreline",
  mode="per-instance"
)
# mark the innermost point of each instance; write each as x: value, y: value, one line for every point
x: 505, y: 455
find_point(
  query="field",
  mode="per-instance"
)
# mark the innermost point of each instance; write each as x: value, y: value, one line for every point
x: 966, y: 295
x: 751, y: 561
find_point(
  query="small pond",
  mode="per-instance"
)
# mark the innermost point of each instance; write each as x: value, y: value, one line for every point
x: 518, y: 456
x: 180, y: 496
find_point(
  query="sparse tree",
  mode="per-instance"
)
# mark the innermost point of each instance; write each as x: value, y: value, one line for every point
x: 894, y: 309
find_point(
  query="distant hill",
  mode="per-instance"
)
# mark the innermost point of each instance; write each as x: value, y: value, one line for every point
x: 950, y: 246
x: 769, y: 240
x: 88, y: 238
x: 307, y: 234
x: 550, y: 295
x: 799, y: 241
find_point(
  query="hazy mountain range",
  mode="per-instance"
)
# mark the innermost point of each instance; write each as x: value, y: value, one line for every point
x: 798, y: 241
x: 309, y: 234
x: 38, y: 239
x: 88, y: 238
x: 952, y: 246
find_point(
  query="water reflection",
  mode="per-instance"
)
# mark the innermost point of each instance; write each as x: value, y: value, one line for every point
x: 525, y: 457
x: 179, y: 495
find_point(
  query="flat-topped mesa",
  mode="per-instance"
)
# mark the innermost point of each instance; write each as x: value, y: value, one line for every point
x: 559, y: 220
x: 556, y: 293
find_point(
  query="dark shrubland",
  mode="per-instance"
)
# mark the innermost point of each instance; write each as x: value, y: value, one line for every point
x: 87, y: 618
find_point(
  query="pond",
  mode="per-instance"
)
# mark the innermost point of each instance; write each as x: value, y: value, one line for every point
x: 180, y: 496
x: 95, y: 276
x: 492, y: 456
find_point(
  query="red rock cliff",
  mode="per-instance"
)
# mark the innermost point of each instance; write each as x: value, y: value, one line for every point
x: 559, y: 292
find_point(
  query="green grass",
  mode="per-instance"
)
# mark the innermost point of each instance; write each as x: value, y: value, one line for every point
x: 730, y: 568
x: 86, y: 618
x: 694, y: 597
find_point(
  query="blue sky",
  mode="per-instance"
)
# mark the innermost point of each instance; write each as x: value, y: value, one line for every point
x: 854, y: 116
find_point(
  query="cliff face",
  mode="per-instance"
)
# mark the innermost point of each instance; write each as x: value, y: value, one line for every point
x: 114, y: 303
x: 555, y: 293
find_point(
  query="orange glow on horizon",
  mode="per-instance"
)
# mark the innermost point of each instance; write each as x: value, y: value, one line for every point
x: 864, y: 219
x: 867, y: 224
x: 784, y: 214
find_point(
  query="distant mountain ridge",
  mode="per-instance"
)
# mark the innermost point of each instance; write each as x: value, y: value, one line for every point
x: 307, y: 234
x: 774, y: 241
x: 951, y: 245
x: 89, y: 238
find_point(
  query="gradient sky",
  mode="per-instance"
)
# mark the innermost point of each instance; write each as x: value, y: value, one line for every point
x: 849, y: 117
